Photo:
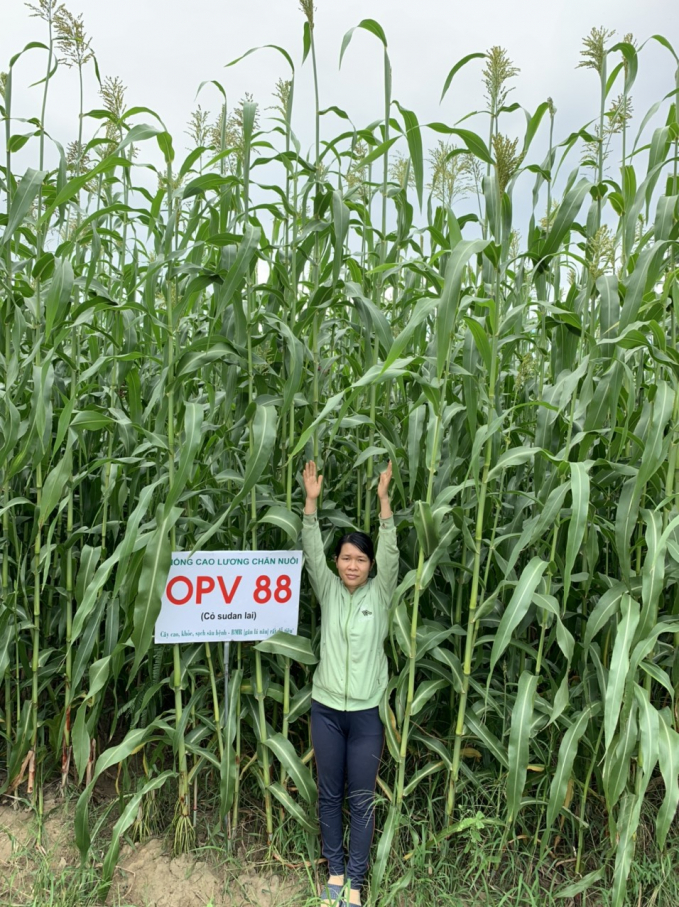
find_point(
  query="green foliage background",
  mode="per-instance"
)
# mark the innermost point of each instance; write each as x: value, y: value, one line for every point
x: 171, y: 355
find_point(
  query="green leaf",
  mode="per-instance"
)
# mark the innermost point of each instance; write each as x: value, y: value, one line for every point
x: 281, y: 517
x: 658, y: 675
x: 607, y: 606
x: 578, y: 521
x: 568, y: 750
x: 127, y: 817
x: 618, y: 757
x: 668, y: 757
x: 563, y: 221
x: 284, y: 751
x: 154, y: 573
x: 645, y: 275
x: 132, y: 742
x: 264, y: 429
x: 533, y: 124
x: 80, y: 741
x: 89, y: 558
x: 389, y: 721
x: 56, y: 483
x: 629, y: 619
x: 629, y: 52
x: 332, y: 404
x: 384, y: 846
x: 481, y: 340
x: 193, y: 423
x: 7, y: 639
x: 74, y: 185
x: 451, y: 660
x: 99, y: 674
x: 58, y: 295
x: 427, y: 535
x: 247, y: 249
x: 22, y: 199
x: 534, y: 529
x: 300, y: 703
x: 628, y: 822
x: 653, y: 571
x: 228, y: 768
x: 139, y: 133
x: 164, y: 140
x: 97, y: 581
x: 369, y: 25
x: 576, y: 888
x: 306, y: 41
x: 295, y: 368
x: 414, y: 137
x: 431, y: 768
x: 293, y: 808
x: 458, y: 66
x: 474, y: 142
x: 482, y: 732
x: 517, y: 607
x: 90, y: 420
x: 519, y: 739
x: 371, y: 314
x: 422, y: 310
x: 340, y: 216
x: 416, y: 422
x: 515, y: 456
x: 281, y: 51
x: 450, y: 296
x: 648, y: 736
x: 665, y: 43
x: 424, y: 693
x: 298, y: 648
x: 435, y: 746
x: 653, y: 453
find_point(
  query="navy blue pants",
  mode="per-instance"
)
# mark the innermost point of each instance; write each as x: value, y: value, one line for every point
x: 348, y: 749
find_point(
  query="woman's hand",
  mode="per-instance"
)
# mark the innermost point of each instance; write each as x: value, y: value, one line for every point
x: 312, y: 486
x: 383, y: 492
x: 383, y: 484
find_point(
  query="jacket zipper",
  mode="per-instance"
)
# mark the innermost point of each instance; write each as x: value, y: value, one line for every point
x: 346, y: 671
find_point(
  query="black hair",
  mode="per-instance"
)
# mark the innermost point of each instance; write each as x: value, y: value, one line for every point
x: 361, y: 540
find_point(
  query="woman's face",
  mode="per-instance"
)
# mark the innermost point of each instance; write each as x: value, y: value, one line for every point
x: 353, y: 566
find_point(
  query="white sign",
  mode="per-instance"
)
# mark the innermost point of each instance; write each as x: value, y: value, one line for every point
x: 217, y: 596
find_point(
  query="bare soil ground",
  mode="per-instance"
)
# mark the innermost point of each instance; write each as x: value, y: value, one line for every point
x: 149, y: 877
x: 33, y: 865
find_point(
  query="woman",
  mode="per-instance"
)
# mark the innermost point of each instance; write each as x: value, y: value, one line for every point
x: 346, y: 729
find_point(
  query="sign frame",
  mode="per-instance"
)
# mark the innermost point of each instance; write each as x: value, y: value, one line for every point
x: 229, y: 596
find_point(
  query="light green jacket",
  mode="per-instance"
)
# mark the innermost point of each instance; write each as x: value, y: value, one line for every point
x: 352, y: 673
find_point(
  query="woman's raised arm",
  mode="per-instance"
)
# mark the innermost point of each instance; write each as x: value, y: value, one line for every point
x: 386, y: 556
x: 320, y: 575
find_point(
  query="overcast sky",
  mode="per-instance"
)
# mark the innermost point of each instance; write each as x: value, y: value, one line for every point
x: 163, y: 49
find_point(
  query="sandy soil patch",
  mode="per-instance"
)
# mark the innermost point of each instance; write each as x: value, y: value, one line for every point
x: 147, y: 876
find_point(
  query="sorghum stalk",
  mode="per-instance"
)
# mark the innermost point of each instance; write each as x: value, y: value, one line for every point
x: 184, y: 830
x: 35, y: 661
x: 379, y: 292
x: 474, y: 592
x: 7, y: 318
x: 68, y: 669
x: 248, y: 121
x: 412, y: 654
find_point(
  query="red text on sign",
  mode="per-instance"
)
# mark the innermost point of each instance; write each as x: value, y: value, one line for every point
x: 228, y: 595
x: 180, y: 589
x: 204, y: 585
x: 282, y: 593
x: 171, y: 586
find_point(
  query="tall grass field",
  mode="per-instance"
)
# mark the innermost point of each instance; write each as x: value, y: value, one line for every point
x: 180, y: 332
